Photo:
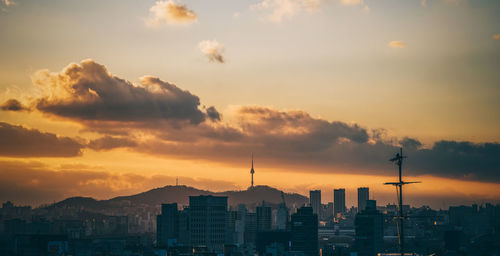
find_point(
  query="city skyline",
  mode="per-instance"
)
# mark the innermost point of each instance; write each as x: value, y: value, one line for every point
x: 114, y: 98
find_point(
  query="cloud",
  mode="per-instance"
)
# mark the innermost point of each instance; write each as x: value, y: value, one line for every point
x: 212, y: 50
x: 397, y: 44
x: 110, y: 142
x: 4, y: 4
x: 13, y: 105
x: 423, y: 3
x: 8, y: 2
x: 36, y: 183
x: 18, y: 141
x: 170, y: 122
x: 496, y: 37
x: 170, y: 12
x: 89, y: 94
x: 278, y: 10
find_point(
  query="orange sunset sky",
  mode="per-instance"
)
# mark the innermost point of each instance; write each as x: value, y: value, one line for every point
x: 109, y: 98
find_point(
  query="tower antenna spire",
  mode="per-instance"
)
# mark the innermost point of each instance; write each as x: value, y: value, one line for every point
x: 398, y: 159
x: 252, y: 172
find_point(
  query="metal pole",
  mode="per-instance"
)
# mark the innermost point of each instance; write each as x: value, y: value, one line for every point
x: 401, y: 222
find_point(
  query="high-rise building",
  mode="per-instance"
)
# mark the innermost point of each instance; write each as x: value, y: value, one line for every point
x: 315, y: 201
x: 207, y: 221
x: 250, y: 227
x: 369, y: 229
x: 264, y: 217
x: 363, y: 196
x: 240, y: 224
x: 304, y: 231
x: 339, y: 201
x: 167, y: 225
x: 329, y: 211
x: 281, y: 217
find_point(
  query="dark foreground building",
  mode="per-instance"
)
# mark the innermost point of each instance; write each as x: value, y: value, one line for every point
x: 207, y: 221
x: 369, y: 236
x: 304, y: 231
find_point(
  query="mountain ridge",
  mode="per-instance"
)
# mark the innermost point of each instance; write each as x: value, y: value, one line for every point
x: 180, y: 194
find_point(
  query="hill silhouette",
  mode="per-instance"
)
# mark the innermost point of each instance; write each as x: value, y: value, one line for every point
x: 180, y: 194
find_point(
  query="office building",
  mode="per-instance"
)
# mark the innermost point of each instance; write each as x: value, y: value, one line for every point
x: 369, y: 236
x: 167, y: 225
x: 315, y: 201
x: 339, y: 201
x: 207, y: 221
x: 304, y: 231
x: 264, y: 217
x: 363, y: 196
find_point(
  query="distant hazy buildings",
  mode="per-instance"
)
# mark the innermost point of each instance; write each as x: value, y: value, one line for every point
x: 207, y: 221
x: 304, y: 231
x: 369, y: 230
x: 315, y: 201
x: 339, y: 201
x: 363, y: 196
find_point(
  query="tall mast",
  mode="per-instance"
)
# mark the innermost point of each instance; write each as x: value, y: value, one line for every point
x: 252, y: 172
x: 398, y: 159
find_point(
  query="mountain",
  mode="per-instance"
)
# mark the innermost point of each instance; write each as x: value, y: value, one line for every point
x: 180, y: 194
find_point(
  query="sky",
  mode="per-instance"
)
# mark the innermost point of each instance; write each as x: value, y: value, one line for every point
x: 108, y: 98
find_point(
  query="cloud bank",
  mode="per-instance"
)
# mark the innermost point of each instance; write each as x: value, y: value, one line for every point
x: 172, y: 123
x: 18, y: 141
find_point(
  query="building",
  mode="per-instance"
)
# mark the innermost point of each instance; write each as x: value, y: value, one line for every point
x: 264, y: 218
x: 369, y: 237
x: 363, y: 196
x: 339, y: 201
x: 167, y: 225
x: 304, y: 231
x: 282, y: 217
x: 240, y: 224
x: 315, y: 201
x: 276, y: 239
x: 207, y: 221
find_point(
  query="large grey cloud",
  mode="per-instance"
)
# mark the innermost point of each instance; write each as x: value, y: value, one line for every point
x: 297, y: 141
x: 18, y: 141
x: 87, y: 92
x: 176, y: 125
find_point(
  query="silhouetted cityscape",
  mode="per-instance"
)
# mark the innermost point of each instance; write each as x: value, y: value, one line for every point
x: 285, y: 224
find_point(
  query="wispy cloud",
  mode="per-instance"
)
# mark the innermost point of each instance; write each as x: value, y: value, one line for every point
x: 397, y: 44
x: 213, y: 50
x: 170, y: 12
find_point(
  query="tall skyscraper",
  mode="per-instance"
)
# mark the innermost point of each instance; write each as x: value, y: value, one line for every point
x: 250, y: 227
x: 264, y: 217
x: 369, y: 237
x: 167, y: 225
x: 339, y: 201
x: 363, y: 196
x: 207, y: 221
x: 315, y: 201
x: 304, y: 231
